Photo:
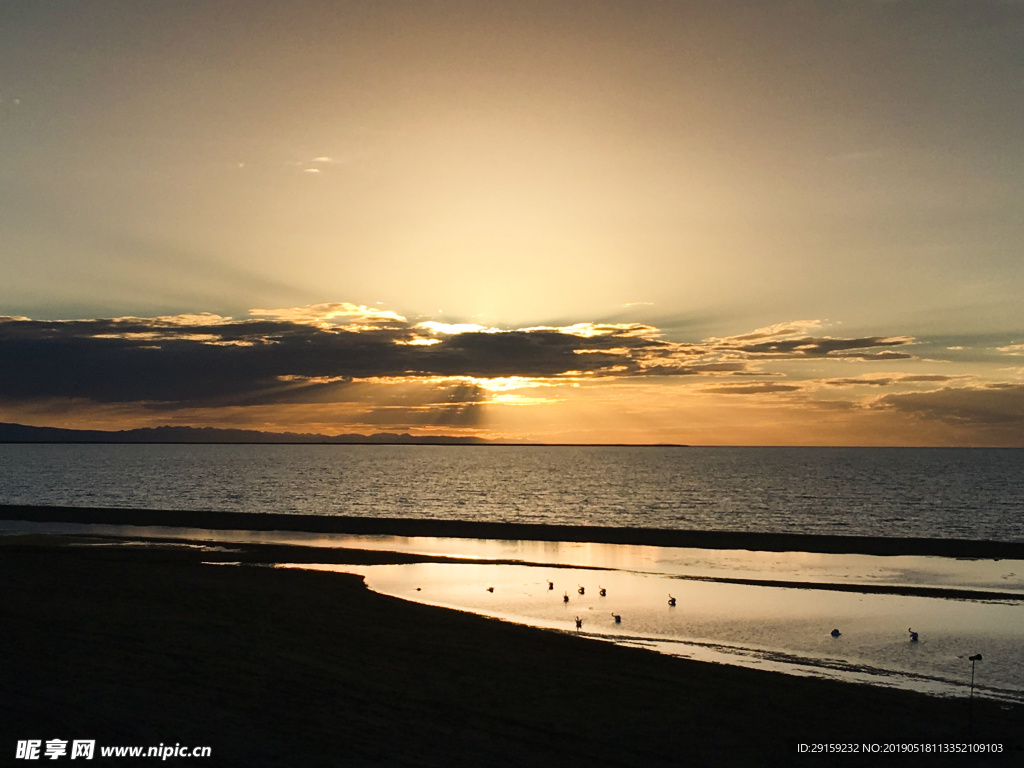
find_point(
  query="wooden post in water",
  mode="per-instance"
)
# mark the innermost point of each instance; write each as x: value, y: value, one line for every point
x: 970, y: 717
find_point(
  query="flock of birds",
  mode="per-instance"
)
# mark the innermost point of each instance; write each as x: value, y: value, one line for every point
x: 617, y: 618
x: 671, y: 601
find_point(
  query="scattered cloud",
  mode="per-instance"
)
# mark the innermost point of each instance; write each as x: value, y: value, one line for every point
x: 792, y: 328
x: 201, y: 318
x: 589, y: 330
x: 757, y: 388
x: 987, y: 405
x: 375, y: 367
x: 802, y: 346
x: 888, y: 380
x: 341, y: 314
x: 449, y: 329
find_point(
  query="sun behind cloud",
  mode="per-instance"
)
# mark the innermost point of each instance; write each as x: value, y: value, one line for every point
x: 347, y: 367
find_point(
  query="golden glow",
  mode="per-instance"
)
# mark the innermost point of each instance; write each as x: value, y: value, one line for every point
x: 200, y: 318
x: 450, y: 329
x: 289, y: 378
x: 598, y: 412
x: 777, y: 385
x: 507, y: 383
x: 325, y: 315
x: 418, y: 341
x: 589, y: 330
x: 584, y: 330
x: 210, y: 339
x: 510, y: 399
x: 157, y: 336
x: 609, y: 351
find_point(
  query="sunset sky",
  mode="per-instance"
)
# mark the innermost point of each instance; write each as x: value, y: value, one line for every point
x: 693, y: 222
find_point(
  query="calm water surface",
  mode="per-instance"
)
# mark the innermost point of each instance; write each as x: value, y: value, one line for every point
x: 946, y: 493
x: 782, y: 628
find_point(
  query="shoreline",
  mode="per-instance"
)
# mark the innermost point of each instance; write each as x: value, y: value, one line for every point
x: 262, y: 553
x: 145, y: 645
x: 764, y: 542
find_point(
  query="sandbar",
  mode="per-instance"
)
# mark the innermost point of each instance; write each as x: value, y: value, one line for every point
x: 384, y: 526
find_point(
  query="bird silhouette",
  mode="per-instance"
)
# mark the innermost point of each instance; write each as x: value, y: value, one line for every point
x: 581, y: 590
x: 913, y: 635
x: 618, y: 619
x: 836, y: 633
x: 579, y: 623
x: 565, y: 598
x: 602, y: 591
x: 551, y: 585
x: 671, y: 601
x: 490, y: 589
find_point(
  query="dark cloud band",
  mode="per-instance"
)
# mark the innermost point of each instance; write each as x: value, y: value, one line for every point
x: 211, y: 360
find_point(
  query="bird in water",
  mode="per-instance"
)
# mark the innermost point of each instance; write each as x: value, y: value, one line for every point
x: 618, y: 619
x: 913, y: 635
x: 672, y: 601
x: 565, y: 598
x: 581, y: 590
x: 836, y: 633
x: 551, y: 585
x: 602, y: 591
x: 490, y: 589
x: 579, y: 623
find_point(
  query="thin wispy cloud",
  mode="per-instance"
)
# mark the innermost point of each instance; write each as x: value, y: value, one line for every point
x: 766, y: 388
x: 888, y: 380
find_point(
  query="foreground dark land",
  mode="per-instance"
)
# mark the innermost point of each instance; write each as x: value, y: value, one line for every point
x: 143, y: 646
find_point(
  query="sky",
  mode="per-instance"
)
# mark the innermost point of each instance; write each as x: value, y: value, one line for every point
x: 735, y: 222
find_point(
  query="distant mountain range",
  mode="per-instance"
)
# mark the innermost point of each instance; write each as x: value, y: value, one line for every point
x: 20, y: 433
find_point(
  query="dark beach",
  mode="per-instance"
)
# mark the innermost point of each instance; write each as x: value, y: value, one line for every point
x: 146, y: 645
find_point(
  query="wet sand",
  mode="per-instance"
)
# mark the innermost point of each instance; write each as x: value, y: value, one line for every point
x: 763, y: 542
x: 146, y: 645
x: 955, y: 593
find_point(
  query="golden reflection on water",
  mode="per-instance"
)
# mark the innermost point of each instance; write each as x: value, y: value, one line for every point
x: 915, y: 571
x: 752, y: 625
x: 997, y: 575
